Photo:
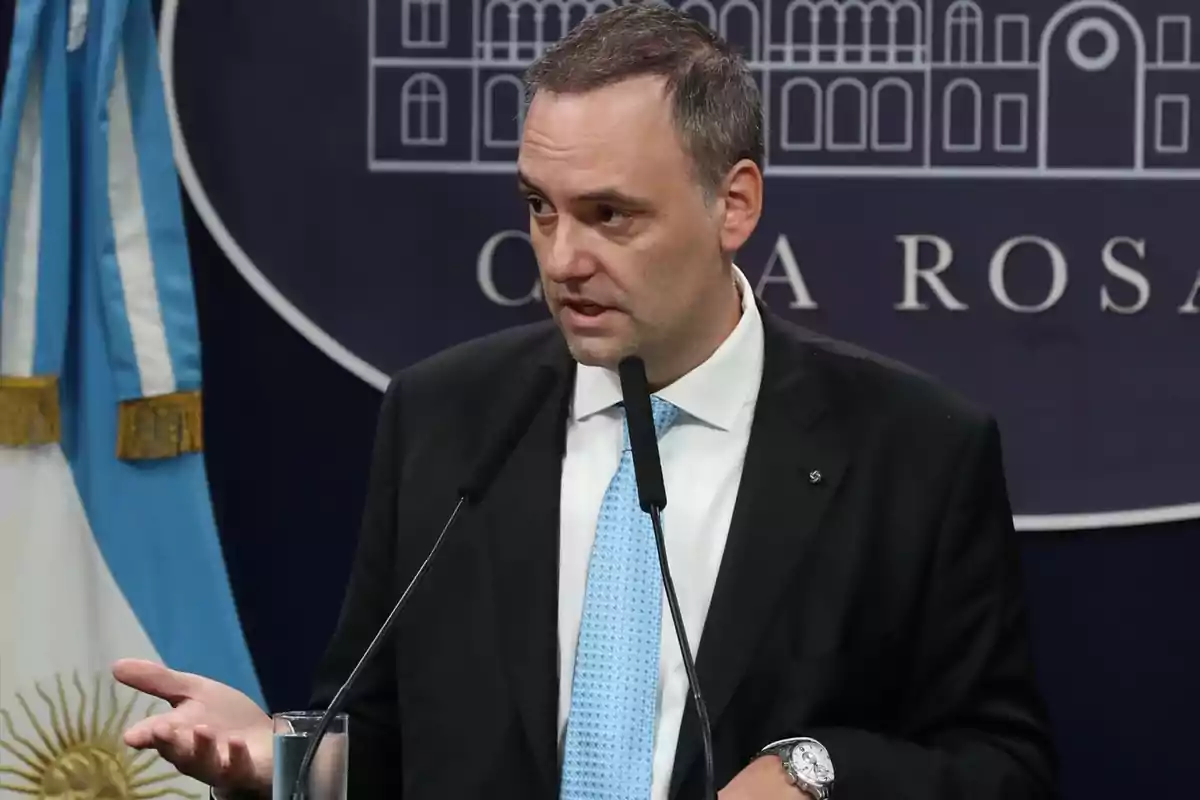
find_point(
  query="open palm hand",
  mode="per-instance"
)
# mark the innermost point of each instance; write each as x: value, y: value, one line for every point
x: 213, y: 732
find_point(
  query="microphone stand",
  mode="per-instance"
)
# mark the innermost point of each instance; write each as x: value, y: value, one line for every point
x: 300, y: 788
x: 689, y: 665
x: 471, y: 492
x: 652, y: 494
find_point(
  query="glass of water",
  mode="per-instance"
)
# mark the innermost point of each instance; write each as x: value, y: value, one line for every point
x: 327, y: 776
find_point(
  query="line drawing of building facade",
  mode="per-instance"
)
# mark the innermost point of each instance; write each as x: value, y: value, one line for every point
x: 870, y: 88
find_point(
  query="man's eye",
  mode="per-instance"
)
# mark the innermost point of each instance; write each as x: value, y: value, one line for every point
x: 537, y: 205
x: 607, y: 215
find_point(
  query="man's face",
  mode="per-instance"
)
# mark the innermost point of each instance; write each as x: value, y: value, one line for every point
x: 630, y: 254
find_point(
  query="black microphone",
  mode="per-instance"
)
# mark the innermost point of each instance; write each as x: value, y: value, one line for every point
x: 647, y: 468
x: 470, y: 492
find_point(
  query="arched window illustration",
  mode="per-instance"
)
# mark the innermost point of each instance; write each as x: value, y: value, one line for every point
x: 846, y: 115
x: 554, y: 23
x: 603, y: 5
x: 828, y: 31
x: 814, y: 30
x: 577, y: 12
x: 701, y: 11
x: 879, y: 32
x: 907, y: 33
x: 892, y: 116
x: 964, y: 33
x: 503, y: 111
x: 855, y: 31
x: 527, y: 23
x: 962, y: 117
x: 499, y: 29
x: 512, y: 29
x: 800, y: 31
x: 426, y: 23
x: 867, y: 28
x: 740, y: 26
x: 423, y: 111
x: 800, y: 126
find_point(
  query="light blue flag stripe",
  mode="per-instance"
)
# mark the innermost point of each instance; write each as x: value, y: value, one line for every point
x: 23, y: 51
x: 54, y: 257
x: 39, y: 48
x: 152, y: 519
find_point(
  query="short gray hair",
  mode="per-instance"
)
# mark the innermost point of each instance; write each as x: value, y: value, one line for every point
x: 715, y: 100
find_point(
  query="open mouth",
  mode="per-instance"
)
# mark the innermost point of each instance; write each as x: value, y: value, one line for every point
x: 586, y: 309
x: 583, y: 316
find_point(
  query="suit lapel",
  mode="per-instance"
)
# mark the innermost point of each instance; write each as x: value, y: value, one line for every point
x: 778, y: 511
x: 522, y: 531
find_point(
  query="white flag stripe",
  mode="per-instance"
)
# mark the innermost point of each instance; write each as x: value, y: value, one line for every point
x: 71, y: 618
x: 135, y: 261
x: 72, y: 615
x: 78, y: 19
x: 18, y: 321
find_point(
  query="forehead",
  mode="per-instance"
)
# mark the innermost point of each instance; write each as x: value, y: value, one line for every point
x: 622, y: 134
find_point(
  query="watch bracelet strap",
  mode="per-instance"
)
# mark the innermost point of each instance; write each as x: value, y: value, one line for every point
x: 774, y: 747
x: 777, y: 747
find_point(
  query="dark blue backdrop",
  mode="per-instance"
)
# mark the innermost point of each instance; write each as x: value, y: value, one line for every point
x: 322, y: 176
x: 1004, y: 204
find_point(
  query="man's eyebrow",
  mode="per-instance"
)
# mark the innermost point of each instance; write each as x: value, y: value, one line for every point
x: 614, y: 197
x: 525, y: 184
x: 607, y: 196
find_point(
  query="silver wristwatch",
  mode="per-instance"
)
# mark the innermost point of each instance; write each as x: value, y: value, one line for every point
x: 807, y: 764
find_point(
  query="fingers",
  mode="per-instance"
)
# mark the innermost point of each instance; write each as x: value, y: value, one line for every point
x: 140, y: 735
x: 206, y: 749
x: 197, y: 751
x: 174, y: 744
x: 155, y: 679
x: 203, y: 752
x: 241, y: 764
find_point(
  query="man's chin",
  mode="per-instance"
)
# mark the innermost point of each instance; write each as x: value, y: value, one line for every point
x: 595, y: 352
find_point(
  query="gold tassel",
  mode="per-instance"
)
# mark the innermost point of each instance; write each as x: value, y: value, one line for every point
x: 29, y: 411
x: 164, y: 426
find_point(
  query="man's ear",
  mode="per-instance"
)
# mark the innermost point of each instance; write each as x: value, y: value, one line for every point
x: 742, y: 193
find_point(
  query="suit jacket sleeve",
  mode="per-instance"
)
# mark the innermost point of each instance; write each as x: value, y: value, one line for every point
x: 372, y: 706
x: 974, y: 725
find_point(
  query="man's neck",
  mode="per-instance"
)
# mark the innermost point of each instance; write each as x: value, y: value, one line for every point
x: 663, y: 372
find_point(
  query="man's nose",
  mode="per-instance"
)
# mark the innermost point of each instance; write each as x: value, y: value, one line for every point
x: 569, y: 257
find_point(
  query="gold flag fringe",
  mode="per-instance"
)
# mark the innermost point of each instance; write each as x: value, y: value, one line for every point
x: 29, y: 411
x: 164, y: 426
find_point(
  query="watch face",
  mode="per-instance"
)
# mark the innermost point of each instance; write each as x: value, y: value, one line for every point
x: 812, y: 763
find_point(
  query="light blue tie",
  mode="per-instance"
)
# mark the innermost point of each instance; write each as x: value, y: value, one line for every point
x: 609, y: 750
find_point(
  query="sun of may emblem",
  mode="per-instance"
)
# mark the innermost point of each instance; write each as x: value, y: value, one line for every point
x: 74, y: 750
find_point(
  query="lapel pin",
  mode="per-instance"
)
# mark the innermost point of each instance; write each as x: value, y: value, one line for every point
x: 814, y: 477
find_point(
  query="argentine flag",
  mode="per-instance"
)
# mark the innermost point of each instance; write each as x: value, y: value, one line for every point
x: 107, y: 542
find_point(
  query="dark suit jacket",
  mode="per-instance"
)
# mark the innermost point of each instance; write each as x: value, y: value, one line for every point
x: 878, y: 609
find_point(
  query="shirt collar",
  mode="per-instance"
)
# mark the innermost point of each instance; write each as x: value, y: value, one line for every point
x: 713, y: 392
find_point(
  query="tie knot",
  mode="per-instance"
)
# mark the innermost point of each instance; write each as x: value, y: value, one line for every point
x: 665, y: 413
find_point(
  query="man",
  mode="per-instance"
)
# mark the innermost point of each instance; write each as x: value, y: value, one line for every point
x: 837, y: 525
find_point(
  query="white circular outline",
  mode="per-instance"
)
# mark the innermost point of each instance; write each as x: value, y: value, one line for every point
x: 1112, y: 44
x: 376, y: 378
x: 216, y: 227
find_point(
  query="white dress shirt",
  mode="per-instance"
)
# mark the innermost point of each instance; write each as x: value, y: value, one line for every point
x: 702, y: 456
